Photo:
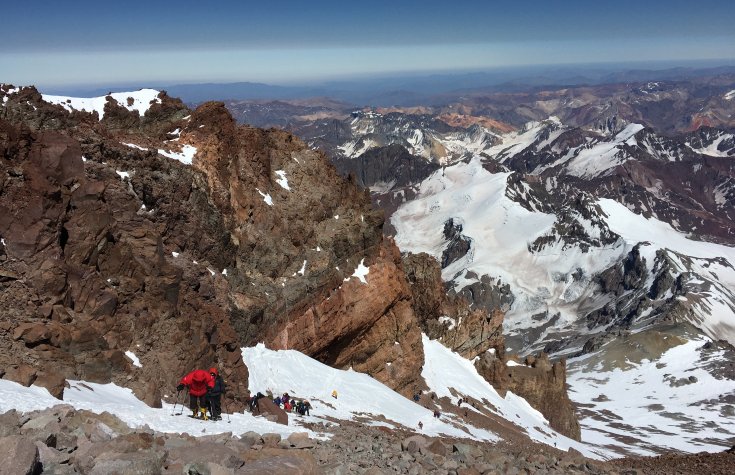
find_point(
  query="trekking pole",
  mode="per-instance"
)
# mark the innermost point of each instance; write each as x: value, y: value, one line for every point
x: 175, y: 403
x: 227, y: 408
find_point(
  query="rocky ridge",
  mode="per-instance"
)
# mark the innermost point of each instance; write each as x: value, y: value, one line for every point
x: 181, y: 264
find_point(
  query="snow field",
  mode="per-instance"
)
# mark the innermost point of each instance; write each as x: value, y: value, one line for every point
x: 663, y: 415
x: 122, y: 402
x: 501, y: 231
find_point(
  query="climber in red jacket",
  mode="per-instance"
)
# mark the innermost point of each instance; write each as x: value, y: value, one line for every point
x: 198, y: 382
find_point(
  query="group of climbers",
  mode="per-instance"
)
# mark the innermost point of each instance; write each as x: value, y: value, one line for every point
x: 291, y: 405
x: 205, y: 393
x: 205, y: 396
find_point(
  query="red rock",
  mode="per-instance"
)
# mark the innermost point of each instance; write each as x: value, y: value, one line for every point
x: 267, y: 408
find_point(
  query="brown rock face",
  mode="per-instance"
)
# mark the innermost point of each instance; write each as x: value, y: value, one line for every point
x: 96, y: 281
x: 128, y: 251
x: 368, y: 326
x: 300, y: 230
x: 449, y: 318
x: 539, y: 382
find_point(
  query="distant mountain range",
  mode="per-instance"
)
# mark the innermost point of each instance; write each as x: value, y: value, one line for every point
x: 426, y: 88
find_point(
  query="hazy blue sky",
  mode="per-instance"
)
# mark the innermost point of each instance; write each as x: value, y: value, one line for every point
x: 95, y: 42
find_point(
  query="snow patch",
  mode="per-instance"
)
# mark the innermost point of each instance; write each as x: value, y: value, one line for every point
x: 132, y: 145
x: 361, y: 272
x: 266, y: 197
x: 134, y: 359
x: 359, y: 394
x: 99, y: 398
x: 282, y: 180
x: 186, y: 156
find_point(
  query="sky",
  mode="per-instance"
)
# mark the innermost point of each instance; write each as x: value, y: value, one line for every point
x: 297, y: 41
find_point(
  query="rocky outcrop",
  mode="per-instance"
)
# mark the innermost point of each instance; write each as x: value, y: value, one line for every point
x: 538, y: 381
x: 381, y: 337
x: 181, y: 265
x: 97, y: 281
x: 448, y: 317
x: 392, y: 164
x: 458, y: 244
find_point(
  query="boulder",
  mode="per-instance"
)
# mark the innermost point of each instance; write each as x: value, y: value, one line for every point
x: 53, y: 382
x: 419, y: 441
x: 19, y: 456
x: 22, y: 374
x: 437, y: 448
x: 147, y: 462
x: 268, y: 408
x: 462, y: 448
x: 251, y: 437
x: 271, y: 439
x: 301, y: 440
x: 9, y: 423
x: 39, y: 421
x: 281, y: 465
x: 206, y: 452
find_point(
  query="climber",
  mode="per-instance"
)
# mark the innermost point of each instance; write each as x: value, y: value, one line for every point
x: 198, y: 381
x: 421, y: 425
x: 214, y: 395
x: 334, y: 394
x: 307, y: 406
x: 254, y: 404
x: 437, y: 413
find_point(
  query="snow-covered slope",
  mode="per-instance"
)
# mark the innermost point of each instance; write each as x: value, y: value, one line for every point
x: 139, y: 101
x: 536, y: 135
x: 360, y: 398
x: 656, y: 402
x: 121, y: 402
x: 712, y: 308
x: 551, y: 249
x: 502, y: 231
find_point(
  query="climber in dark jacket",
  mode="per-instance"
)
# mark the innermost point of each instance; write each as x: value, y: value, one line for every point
x: 214, y: 395
x: 254, y: 404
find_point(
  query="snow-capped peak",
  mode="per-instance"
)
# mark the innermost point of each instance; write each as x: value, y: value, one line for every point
x: 138, y: 101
